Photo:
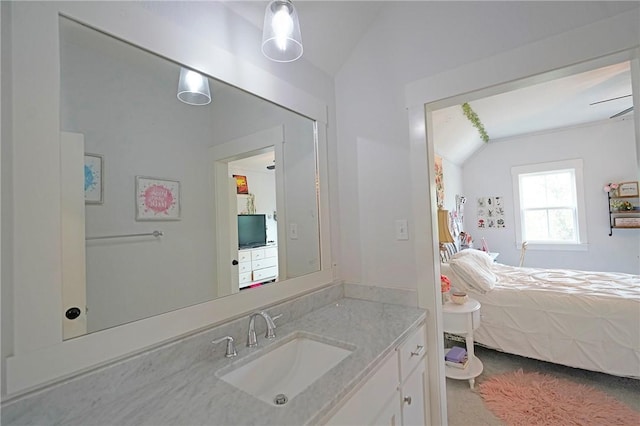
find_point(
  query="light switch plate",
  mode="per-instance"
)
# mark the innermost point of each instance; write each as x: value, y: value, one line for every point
x: 293, y: 231
x: 402, y: 233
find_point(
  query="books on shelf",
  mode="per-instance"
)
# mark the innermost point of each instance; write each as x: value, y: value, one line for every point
x: 455, y: 354
x: 457, y: 357
x: 460, y: 365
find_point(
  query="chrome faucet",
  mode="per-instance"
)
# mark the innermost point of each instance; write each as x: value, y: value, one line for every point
x: 252, y: 340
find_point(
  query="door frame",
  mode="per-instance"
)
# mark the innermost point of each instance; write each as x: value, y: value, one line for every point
x: 225, y: 209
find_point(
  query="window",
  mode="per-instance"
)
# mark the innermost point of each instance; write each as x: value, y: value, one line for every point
x: 550, y: 203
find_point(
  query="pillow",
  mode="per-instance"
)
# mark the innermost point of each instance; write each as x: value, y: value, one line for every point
x: 479, y: 255
x: 473, y: 267
x: 456, y: 282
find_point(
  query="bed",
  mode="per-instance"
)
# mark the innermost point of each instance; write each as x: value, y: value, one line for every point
x: 588, y: 320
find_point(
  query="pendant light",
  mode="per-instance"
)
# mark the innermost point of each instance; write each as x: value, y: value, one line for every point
x: 281, y: 39
x: 193, y: 88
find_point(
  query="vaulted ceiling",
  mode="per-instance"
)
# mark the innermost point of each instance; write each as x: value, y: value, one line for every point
x: 588, y: 97
x: 331, y: 31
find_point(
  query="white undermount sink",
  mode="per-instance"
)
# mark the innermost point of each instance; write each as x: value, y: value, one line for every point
x: 286, y: 370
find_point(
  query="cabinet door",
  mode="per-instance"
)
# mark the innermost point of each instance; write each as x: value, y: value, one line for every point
x: 390, y: 414
x: 413, y: 397
x: 377, y: 392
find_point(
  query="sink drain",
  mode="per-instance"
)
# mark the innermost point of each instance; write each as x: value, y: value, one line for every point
x: 280, y: 399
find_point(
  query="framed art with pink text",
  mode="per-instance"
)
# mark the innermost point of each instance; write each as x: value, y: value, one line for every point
x: 157, y: 199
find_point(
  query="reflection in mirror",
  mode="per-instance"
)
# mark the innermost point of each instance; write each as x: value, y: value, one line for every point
x: 149, y: 166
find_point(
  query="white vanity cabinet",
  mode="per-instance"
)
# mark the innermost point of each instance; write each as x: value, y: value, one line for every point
x: 395, y: 394
x: 377, y: 402
x: 257, y: 265
x: 413, y: 379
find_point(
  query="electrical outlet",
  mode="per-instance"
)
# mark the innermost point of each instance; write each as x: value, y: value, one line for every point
x: 402, y: 233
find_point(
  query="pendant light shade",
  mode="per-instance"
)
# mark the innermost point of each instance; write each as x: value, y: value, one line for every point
x: 193, y: 88
x: 281, y: 39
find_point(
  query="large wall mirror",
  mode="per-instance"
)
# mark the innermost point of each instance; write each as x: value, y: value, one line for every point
x: 168, y: 204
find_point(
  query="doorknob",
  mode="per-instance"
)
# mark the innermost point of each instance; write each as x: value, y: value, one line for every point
x: 72, y: 313
x: 234, y: 262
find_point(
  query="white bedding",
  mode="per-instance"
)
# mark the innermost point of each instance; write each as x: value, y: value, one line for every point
x: 582, y: 319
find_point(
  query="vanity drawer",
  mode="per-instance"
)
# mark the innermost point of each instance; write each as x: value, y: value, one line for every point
x: 244, y: 278
x: 244, y: 267
x: 264, y: 263
x: 244, y: 256
x: 271, y: 252
x: 257, y: 254
x: 265, y: 274
x: 412, y: 351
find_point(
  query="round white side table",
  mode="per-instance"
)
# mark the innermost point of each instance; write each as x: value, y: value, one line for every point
x: 463, y: 319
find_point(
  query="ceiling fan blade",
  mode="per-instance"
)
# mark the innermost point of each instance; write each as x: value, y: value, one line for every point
x: 622, y: 112
x: 610, y: 99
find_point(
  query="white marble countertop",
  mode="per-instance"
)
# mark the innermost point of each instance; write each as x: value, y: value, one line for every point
x: 196, y: 396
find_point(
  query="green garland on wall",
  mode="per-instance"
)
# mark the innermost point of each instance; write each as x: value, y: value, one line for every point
x: 475, y: 120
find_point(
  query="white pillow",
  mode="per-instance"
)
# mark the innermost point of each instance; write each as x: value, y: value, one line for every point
x: 456, y: 282
x: 473, y: 267
x: 479, y: 255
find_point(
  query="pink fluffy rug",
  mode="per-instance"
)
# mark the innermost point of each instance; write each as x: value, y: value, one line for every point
x: 537, y: 399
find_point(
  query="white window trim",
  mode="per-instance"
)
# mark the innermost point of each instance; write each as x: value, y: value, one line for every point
x: 576, y: 165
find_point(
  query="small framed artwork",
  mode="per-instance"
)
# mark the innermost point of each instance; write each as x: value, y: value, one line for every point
x: 628, y: 189
x: 157, y: 199
x: 93, y: 179
x: 242, y: 187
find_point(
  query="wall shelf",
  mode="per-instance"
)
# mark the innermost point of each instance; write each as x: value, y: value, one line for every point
x: 623, y: 214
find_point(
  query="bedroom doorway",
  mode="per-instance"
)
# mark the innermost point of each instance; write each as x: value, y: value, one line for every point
x: 587, y: 96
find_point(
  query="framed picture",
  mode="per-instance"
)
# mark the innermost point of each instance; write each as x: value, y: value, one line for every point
x: 242, y: 187
x: 628, y: 189
x: 93, y: 179
x: 157, y: 199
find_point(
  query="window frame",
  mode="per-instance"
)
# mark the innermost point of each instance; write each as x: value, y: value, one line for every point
x: 581, y: 229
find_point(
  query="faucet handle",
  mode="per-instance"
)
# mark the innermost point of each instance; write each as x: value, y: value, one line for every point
x: 231, y: 347
x: 271, y: 326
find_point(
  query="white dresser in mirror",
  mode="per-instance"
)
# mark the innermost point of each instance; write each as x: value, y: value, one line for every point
x: 257, y: 265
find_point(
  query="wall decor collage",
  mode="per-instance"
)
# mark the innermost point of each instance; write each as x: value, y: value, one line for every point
x: 490, y: 212
x: 156, y: 198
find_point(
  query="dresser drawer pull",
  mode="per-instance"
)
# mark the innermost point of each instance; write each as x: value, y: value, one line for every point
x: 418, y: 350
x: 407, y: 399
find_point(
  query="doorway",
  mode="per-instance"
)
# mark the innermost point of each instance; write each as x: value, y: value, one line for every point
x: 255, y: 190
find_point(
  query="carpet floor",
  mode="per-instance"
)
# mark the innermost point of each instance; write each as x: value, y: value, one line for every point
x: 465, y: 407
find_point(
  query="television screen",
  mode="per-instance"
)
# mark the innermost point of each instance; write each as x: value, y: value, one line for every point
x: 252, y: 230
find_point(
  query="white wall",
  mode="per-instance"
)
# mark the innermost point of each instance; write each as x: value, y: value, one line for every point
x: 608, y: 153
x: 410, y: 41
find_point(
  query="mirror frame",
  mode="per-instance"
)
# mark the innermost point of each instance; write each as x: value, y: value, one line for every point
x: 40, y: 356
